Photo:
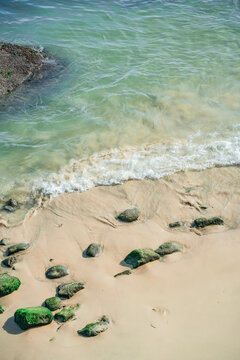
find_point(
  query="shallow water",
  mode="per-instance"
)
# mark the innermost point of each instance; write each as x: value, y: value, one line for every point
x: 149, y: 88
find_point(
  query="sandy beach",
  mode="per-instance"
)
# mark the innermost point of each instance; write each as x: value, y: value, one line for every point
x: 183, y: 306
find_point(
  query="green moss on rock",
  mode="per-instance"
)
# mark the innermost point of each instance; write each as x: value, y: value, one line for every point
x: 53, y: 303
x: 140, y: 257
x: 126, y: 272
x: 66, y: 313
x: 67, y: 290
x: 129, y: 215
x: 96, y: 328
x: 168, y: 247
x: 8, y: 284
x: 93, y: 250
x: 57, y: 271
x: 30, y: 317
x: 203, y: 222
x: 1, y: 310
x: 175, y: 224
x: 17, y: 247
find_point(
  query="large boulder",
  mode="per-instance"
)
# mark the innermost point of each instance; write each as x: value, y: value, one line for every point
x: 66, y: 313
x: 67, y: 290
x: 96, y: 328
x: 17, y: 65
x: 17, y: 247
x: 168, y: 247
x: 30, y: 317
x: 93, y: 250
x: 129, y: 215
x: 203, y: 222
x: 8, y: 284
x: 53, y: 303
x: 140, y: 257
x: 57, y: 271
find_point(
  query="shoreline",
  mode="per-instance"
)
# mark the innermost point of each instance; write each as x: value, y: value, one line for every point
x: 182, y: 306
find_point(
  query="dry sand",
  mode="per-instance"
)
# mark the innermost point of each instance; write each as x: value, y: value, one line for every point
x: 185, y: 306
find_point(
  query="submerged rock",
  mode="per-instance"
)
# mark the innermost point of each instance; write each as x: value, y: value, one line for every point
x: 66, y: 313
x: 67, y: 290
x: 126, y: 272
x: 93, y: 250
x: 53, y: 303
x: 168, y: 247
x: 17, y: 247
x: 202, y: 222
x: 140, y: 257
x: 96, y: 328
x: 17, y: 65
x: 30, y: 317
x: 57, y: 271
x: 10, y: 261
x: 175, y: 224
x: 8, y: 284
x: 129, y: 215
x: 1, y: 310
x: 13, y: 203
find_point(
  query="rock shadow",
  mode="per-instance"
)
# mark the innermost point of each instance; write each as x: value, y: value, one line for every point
x: 11, y: 327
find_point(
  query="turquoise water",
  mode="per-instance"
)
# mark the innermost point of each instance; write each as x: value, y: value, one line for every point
x: 149, y: 88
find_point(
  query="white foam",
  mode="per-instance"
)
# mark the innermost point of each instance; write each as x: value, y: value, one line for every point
x: 153, y: 161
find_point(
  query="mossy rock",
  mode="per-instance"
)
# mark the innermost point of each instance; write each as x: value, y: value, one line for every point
x: 53, y: 303
x: 17, y: 247
x: 125, y: 272
x: 168, y: 248
x: 67, y: 290
x: 10, y: 261
x: 1, y: 310
x: 129, y: 215
x: 96, y: 328
x: 140, y: 257
x: 175, y: 224
x: 8, y: 284
x: 203, y: 222
x: 66, y: 313
x: 93, y: 250
x: 30, y: 317
x: 56, y: 272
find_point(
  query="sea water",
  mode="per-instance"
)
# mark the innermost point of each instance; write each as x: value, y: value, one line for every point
x: 148, y: 88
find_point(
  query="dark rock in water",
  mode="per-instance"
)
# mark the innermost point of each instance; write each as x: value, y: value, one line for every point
x: 140, y: 257
x: 8, y: 284
x: 168, y: 247
x: 175, y: 224
x: 17, y: 247
x: 10, y: 261
x: 18, y: 64
x: 93, y: 250
x: 1, y: 310
x: 129, y: 215
x: 202, y: 222
x: 57, y: 271
x: 126, y: 272
x: 4, y: 242
x: 67, y: 290
x: 13, y: 203
x: 30, y: 317
x: 9, y: 209
x: 53, y: 303
x: 66, y: 313
x: 96, y: 328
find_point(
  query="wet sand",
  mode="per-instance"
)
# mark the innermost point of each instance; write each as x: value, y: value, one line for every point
x: 184, y: 306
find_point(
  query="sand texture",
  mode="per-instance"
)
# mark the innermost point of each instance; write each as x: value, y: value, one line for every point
x: 182, y: 306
